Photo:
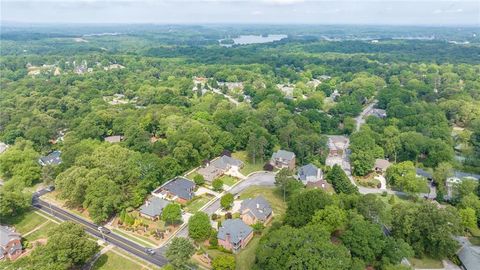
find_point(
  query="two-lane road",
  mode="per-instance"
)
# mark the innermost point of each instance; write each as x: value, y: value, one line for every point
x: 125, y: 244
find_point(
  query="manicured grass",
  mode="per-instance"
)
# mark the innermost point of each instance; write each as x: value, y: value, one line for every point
x: 270, y: 194
x: 113, y: 261
x: 137, y: 238
x: 229, y: 180
x: 196, y: 203
x: 41, y: 232
x: 246, y: 258
x: 426, y: 263
x: 248, y: 167
x: 25, y: 222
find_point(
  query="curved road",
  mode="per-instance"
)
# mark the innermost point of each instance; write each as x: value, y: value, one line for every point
x: 254, y: 179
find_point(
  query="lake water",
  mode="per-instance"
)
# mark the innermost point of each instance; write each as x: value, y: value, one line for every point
x: 253, y: 39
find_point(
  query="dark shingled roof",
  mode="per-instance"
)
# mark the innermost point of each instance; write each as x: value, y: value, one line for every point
x: 307, y: 170
x: 180, y: 187
x: 283, y: 154
x: 236, y: 228
x: 153, y: 207
x: 258, y: 207
x: 51, y: 159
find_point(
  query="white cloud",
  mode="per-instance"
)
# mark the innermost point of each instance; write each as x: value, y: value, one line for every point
x: 257, y: 12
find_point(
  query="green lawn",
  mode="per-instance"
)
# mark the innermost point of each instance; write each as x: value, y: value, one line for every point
x: 41, y: 232
x: 270, y: 194
x: 426, y: 263
x: 248, y: 167
x: 246, y: 258
x: 137, y: 238
x: 25, y: 222
x: 113, y: 261
x: 229, y: 180
x: 196, y: 203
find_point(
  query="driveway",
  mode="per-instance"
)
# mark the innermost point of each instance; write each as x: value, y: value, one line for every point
x: 254, y: 179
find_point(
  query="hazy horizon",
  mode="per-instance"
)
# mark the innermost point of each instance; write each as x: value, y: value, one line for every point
x: 263, y: 12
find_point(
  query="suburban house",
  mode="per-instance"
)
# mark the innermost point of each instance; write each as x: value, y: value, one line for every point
x: 283, y: 159
x: 322, y: 183
x: 218, y: 167
x: 456, y: 179
x: 381, y: 165
x: 256, y: 210
x: 178, y: 189
x: 286, y: 89
x: 51, y: 159
x: 234, y: 234
x: 231, y: 85
x: 309, y: 173
x: 377, y: 113
x: 469, y: 255
x: 10, y: 243
x: 153, y: 207
x: 113, y: 139
x: 336, y: 145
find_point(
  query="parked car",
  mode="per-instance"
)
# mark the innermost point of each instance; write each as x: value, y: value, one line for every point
x: 50, y: 188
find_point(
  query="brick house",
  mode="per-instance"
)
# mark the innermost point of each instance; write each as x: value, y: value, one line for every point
x: 283, y: 159
x: 234, y: 235
x: 256, y: 210
x: 178, y: 189
x: 10, y: 243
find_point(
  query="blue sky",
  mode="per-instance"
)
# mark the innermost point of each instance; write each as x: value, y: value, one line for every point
x: 376, y: 12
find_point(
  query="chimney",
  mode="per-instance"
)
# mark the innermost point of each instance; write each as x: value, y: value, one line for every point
x: 227, y: 237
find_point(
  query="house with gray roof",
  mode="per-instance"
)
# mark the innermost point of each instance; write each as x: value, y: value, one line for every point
x: 51, y: 159
x: 381, y: 165
x: 469, y: 255
x: 225, y: 163
x: 218, y: 167
x: 256, y: 210
x: 283, y: 159
x: 113, y: 139
x: 153, y: 207
x: 452, y: 182
x: 234, y: 235
x: 10, y: 243
x: 309, y: 173
x: 178, y: 189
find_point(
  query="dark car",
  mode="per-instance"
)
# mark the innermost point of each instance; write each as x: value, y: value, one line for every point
x: 50, y: 188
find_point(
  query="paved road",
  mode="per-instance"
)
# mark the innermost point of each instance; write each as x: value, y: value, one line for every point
x: 359, y: 119
x: 255, y: 179
x: 231, y: 99
x: 125, y: 244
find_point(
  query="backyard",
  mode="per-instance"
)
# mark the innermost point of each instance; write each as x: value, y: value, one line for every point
x: 270, y: 194
x: 426, y: 263
x: 248, y: 166
x: 196, y: 203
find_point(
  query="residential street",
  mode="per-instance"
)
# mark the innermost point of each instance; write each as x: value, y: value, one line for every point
x: 125, y: 244
x: 255, y: 179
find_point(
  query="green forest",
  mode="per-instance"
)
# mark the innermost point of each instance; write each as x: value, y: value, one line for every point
x: 68, y: 90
